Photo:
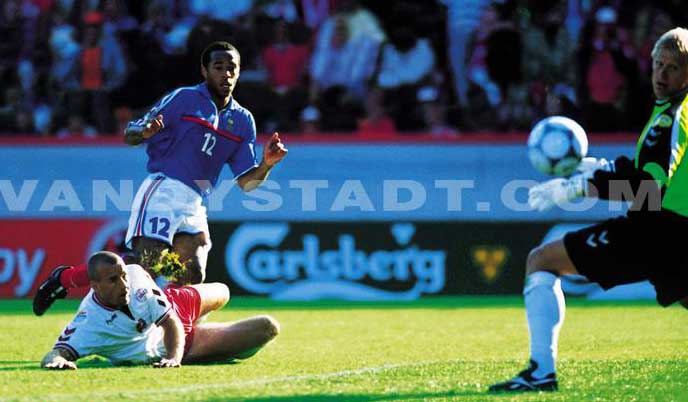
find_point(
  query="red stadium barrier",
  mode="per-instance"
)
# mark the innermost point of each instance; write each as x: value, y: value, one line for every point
x: 30, y: 249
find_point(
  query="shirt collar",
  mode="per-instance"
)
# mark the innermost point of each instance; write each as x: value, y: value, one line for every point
x: 101, y: 304
x: 676, y: 98
x: 203, y: 88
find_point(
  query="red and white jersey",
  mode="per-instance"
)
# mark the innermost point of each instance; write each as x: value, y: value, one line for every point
x: 124, y: 337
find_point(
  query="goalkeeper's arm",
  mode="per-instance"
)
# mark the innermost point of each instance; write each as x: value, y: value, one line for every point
x: 609, y: 182
x: 598, y: 178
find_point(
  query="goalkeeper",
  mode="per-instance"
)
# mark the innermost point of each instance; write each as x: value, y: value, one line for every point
x: 635, y: 247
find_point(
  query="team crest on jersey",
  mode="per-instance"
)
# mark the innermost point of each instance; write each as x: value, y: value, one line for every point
x: 663, y: 121
x: 141, y: 294
x: 110, y: 320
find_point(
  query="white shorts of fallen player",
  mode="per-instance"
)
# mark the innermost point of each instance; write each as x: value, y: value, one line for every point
x: 164, y: 207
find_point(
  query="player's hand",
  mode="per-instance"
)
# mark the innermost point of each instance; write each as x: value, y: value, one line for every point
x: 152, y: 126
x: 61, y: 365
x: 590, y: 165
x: 274, y: 151
x: 167, y: 363
x: 556, y: 192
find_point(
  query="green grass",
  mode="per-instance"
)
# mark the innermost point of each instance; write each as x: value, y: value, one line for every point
x: 433, y: 349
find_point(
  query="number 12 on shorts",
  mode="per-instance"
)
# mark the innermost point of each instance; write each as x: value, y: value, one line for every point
x: 160, y: 226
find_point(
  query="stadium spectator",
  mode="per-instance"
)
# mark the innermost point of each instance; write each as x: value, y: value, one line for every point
x: 285, y: 63
x: 332, y: 65
x: 476, y: 68
x: 406, y: 64
x: 11, y: 31
x: 548, y: 51
x: 281, y: 9
x: 309, y: 120
x: 221, y: 9
x: 23, y: 123
x: 11, y: 106
x: 95, y: 69
x: 607, y: 64
x: 463, y: 18
x: 364, y: 33
x: 315, y: 12
x: 127, y: 319
x: 434, y: 113
x: 76, y: 127
x: 406, y: 60
x: 376, y: 121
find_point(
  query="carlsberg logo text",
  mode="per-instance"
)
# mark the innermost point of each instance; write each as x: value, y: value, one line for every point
x: 255, y: 263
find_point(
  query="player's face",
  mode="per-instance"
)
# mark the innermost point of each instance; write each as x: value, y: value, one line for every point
x: 668, y: 76
x: 112, y: 287
x: 222, y: 73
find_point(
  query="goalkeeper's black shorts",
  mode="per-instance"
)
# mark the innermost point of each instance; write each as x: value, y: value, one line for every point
x: 640, y: 246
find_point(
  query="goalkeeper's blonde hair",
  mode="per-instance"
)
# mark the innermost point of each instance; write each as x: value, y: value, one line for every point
x: 675, y: 42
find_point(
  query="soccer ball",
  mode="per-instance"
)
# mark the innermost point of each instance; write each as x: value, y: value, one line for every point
x: 556, y: 146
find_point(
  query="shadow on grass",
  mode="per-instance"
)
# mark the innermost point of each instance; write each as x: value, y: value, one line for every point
x: 92, y: 362
x: 15, y: 365
x: 365, y: 397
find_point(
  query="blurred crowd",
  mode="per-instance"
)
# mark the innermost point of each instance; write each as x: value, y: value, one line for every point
x: 86, y: 67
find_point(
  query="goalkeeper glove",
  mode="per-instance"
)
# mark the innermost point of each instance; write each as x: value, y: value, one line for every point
x: 557, y: 191
x: 590, y: 165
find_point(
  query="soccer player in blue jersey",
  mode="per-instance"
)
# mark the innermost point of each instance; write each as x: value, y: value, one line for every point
x: 190, y: 134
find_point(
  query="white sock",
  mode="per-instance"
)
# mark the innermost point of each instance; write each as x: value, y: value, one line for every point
x: 545, y: 308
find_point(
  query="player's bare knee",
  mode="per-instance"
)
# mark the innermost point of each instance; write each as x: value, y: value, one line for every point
x: 536, y: 260
x: 542, y: 258
x: 224, y: 293
x: 195, y: 272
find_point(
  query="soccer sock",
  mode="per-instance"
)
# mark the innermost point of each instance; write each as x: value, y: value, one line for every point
x: 545, y: 312
x: 74, y: 277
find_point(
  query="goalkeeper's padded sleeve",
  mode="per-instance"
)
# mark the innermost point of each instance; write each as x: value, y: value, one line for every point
x: 611, y: 184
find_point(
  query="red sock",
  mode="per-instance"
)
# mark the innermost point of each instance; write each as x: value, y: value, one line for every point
x: 75, y: 277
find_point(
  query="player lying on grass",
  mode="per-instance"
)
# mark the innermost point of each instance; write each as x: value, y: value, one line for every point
x: 646, y: 244
x: 127, y: 319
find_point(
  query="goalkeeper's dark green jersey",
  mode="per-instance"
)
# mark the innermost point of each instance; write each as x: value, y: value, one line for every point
x: 658, y: 157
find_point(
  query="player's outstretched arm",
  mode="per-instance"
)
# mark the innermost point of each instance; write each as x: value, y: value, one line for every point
x: 174, y: 342
x: 140, y: 130
x: 59, y: 359
x: 273, y: 152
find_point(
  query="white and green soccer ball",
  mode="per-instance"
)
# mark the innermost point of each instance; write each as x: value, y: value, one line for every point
x: 556, y: 146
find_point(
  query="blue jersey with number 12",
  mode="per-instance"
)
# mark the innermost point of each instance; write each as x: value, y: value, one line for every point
x: 197, y: 139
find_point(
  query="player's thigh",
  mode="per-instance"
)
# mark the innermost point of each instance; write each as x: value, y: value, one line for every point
x: 551, y: 257
x: 217, y: 341
x: 612, y: 252
x: 213, y: 296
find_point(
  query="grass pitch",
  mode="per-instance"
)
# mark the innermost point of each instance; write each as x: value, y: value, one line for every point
x: 432, y: 349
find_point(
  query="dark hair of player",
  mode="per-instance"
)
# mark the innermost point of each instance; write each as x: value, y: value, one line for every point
x: 219, y: 45
x: 101, y: 257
